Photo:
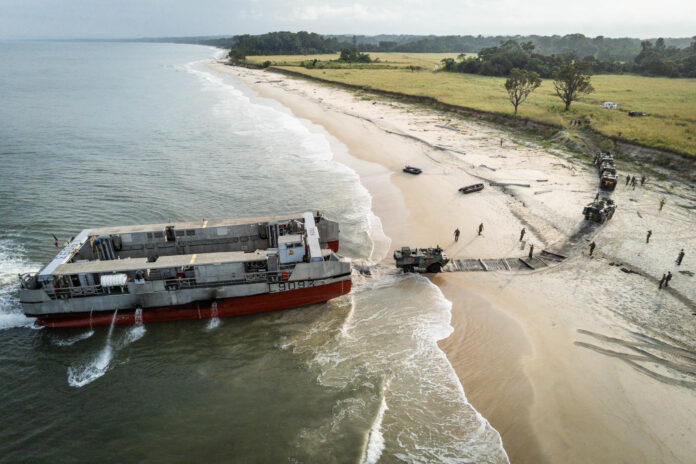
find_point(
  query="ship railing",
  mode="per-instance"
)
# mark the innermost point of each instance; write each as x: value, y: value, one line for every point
x: 75, y: 292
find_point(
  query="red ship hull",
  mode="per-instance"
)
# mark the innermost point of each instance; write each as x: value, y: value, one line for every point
x: 203, y: 310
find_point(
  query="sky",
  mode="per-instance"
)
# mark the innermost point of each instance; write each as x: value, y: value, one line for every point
x: 63, y: 19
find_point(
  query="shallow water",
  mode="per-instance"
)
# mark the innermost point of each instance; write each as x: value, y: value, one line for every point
x: 106, y: 134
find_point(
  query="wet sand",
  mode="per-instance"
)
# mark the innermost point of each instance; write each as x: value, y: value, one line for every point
x: 555, y: 394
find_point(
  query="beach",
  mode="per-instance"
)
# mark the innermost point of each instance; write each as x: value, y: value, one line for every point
x: 586, y: 361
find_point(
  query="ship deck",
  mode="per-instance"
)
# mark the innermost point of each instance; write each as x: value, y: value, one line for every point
x: 163, y: 262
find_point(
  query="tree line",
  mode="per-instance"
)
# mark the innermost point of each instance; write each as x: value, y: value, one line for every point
x: 656, y: 59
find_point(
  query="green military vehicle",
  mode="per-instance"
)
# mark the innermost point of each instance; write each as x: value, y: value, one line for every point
x: 600, y: 210
x: 421, y: 259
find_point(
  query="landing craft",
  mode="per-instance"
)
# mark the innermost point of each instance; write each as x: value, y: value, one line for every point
x: 188, y: 270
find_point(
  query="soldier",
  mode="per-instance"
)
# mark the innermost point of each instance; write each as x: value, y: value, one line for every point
x: 531, y: 251
x: 633, y: 182
x: 642, y: 180
x: 668, y: 278
x: 501, y: 142
x: 628, y: 179
x: 596, y: 197
x: 680, y: 257
x: 662, y: 281
x: 647, y: 238
x: 592, y: 247
x: 662, y: 203
x: 522, y: 232
x: 480, y: 228
x: 456, y: 235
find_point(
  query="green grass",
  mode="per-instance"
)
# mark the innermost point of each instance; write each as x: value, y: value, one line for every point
x: 669, y: 103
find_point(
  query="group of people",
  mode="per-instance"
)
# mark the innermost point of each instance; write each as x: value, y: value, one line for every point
x: 457, y: 232
x: 633, y: 181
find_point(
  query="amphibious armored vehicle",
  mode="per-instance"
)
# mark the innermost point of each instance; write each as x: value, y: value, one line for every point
x: 599, y: 210
x: 421, y: 259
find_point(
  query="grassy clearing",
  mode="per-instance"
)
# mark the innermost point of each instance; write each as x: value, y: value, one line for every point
x: 669, y: 103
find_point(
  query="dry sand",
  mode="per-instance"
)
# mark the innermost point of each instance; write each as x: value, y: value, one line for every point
x: 577, y: 363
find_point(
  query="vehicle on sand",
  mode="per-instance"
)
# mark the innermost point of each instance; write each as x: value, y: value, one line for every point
x: 412, y: 170
x: 471, y: 188
x: 420, y: 259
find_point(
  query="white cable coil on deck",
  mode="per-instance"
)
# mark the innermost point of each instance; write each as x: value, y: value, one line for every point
x: 113, y: 280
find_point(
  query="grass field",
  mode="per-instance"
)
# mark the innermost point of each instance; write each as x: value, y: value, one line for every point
x: 669, y: 103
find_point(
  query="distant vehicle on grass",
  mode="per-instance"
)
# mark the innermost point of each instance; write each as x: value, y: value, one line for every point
x: 610, y: 105
x: 471, y: 188
x: 412, y: 170
x: 420, y: 259
x: 636, y: 113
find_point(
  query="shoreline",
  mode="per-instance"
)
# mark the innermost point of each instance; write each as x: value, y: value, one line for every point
x: 516, y: 360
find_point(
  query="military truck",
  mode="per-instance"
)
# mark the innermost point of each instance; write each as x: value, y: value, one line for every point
x: 607, y: 175
x: 601, y: 156
x: 599, y: 210
x: 421, y: 259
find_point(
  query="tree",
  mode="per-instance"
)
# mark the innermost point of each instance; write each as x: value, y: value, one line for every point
x: 520, y: 84
x: 571, y: 80
x: 235, y: 55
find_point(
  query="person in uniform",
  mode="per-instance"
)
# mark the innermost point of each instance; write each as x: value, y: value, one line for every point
x: 647, y: 238
x: 522, y: 232
x: 680, y: 257
x: 456, y: 235
x: 480, y: 228
x: 592, y: 247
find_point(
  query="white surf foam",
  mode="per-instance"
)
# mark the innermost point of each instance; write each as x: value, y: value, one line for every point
x: 72, y: 340
x: 12, y: 263
x: 375, y: 439
x: 83, y: 374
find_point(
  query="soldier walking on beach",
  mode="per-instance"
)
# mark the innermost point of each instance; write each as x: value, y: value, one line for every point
x: 628, y: 179
x: 501, y: 142
x: 668, y: 278
x: 662, y: 281
x: 647, y: 238
x: 633, y: 182
x: 480, y: 228
x: 456, y: 235
x: 522, y: 232
x: 531, y: 251
x: 642, y: 180
x: 662, y: 203
x: 680, y: 257
x: 596, y: 197
x: 592, y: 247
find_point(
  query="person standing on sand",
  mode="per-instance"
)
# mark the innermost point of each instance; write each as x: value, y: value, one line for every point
x: 501, y: 142
x: 531, y: 250
x: 642, y: 180
x: 662, y: 281
x: 628, y: 179
x: 680, y: 257
x: 592, y: 247
x: 662, y: 203
x: 524, y: 231
x: 668, y: 278
x: 480, y: 228
x: 456, y: 235
x: 647, y: 238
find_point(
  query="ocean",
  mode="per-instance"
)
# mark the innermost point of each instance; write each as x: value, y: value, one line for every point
x: 95, y: 134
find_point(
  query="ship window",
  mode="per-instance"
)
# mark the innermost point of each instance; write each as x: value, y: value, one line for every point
x: 235, y: 239
x: 180, y: 233
x: 191, y: 232
x: 149, y: 235
x: 159, y: 234
x: 300, y: 284
x: 281, y: 286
